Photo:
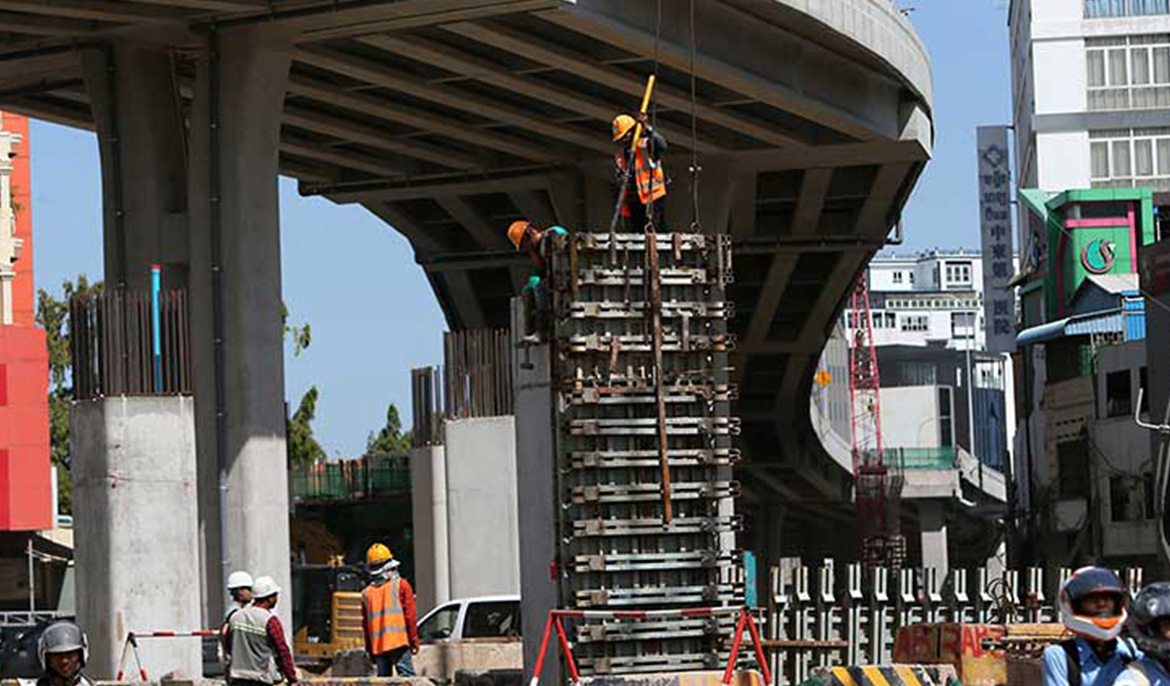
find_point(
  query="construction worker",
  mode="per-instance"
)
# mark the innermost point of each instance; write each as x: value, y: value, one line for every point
x: 531, y: 240
x: 257, y: 652
x: 648, y: 185
x: 389, y: 621
x: 1150, y: 628
x: 1092, y: 606
x: 63, y: 650
x: 239, y: 586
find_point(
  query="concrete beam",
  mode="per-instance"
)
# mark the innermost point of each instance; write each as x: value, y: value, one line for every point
x: 534, y: 207
x: 771, y: 292
x: 813, y: 187
x: 443, y: 56
x: 473, y: 222
x: 38, y: 108
x: 874, y: 216
x: 368, y: 135
x: 345, y: 159
x: 370, y: 105
x: 378, y: 74
x: 730, y: 76
x: 390, y: 192
x: 42, y: 26
x: 101, y: 10
x: 424, y: 243
x: 565, y: 192
x: 213, y: 5
x: 464, y: 299
x: 579, y: 64
x: 838, y: 155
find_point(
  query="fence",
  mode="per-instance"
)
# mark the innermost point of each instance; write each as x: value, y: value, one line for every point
x: 922, y: 458
x: 865, y: 611
x: 117, y: 350
x: 474, y: 381
x: 348, y: 480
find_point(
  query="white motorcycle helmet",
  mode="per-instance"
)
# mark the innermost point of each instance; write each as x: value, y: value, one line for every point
x: 1088, y: 581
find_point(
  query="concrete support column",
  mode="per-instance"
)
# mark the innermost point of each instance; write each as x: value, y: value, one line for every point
x: 134, y: 493
x: 934, y: 534
x: 428, y: 476
x: 142, y: 141
x: 236, y: 306
x: 769, y: 541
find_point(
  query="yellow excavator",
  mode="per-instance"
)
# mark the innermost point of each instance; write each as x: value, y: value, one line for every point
x: 327, y: 598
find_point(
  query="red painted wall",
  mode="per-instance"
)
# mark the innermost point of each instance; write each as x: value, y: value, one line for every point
x: 23, y: 294
x: 25, y: 483
x: 26, y: 499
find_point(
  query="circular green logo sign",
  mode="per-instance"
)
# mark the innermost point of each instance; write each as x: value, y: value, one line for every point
x: 1098, y: 256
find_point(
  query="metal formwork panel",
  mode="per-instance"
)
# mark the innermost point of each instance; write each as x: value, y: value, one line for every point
x: 617, y: 550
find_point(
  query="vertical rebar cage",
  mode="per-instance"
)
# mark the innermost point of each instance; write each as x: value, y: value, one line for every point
x: 621, y: 547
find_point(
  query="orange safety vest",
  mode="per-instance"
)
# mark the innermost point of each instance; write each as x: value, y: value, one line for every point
x: 648, y: 176
x: 386, y: 622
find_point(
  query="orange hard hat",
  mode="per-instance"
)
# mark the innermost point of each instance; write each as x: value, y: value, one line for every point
x: 517, y: 230
x: 378, y: 553
x: 622, y: 125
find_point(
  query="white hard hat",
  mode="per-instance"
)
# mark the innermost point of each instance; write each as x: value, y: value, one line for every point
x: 239, y: 579
x: 264, y: 587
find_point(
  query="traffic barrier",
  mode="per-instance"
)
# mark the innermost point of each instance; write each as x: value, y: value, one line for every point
x: 132, y: 644
x: 745, y: 620
x: 892, y: 675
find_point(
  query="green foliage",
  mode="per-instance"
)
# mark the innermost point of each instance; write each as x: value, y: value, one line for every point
x: 390, y: 440
x: 303, y: 448
x: 302, y: 335
x: 53, y: 317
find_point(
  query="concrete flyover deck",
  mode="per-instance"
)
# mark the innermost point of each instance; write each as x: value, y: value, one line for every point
x: 450, y: 118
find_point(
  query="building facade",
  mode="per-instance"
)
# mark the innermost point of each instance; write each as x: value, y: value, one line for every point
x: 25, y: 479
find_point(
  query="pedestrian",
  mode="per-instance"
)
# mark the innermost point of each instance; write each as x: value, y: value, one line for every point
x: 531, y: 240
x: 257, y: 652
x: 640, y: 206
x: 63, y: 650
x: 389, y: 621
x: 1093, y: 607
x: 1149, y: 625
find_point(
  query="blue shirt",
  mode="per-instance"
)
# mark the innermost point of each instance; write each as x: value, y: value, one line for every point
x: 1092, y: 669
x: 1144, y: 672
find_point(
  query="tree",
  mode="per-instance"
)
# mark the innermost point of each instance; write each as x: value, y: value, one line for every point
x: 53, y: 317
x: 302, y: 335
x: 390, y: 440
x: 303, y: 448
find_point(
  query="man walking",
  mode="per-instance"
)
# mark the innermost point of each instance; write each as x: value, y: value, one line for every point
x: 389, y: 620
x: 257, y: 651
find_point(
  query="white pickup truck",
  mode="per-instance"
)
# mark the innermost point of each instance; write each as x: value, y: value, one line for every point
x: 472, y: 635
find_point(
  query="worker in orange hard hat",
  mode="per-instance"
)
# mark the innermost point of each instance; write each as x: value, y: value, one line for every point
x: 641, y: 204
x: 531, y: 240
x: 389, y: 620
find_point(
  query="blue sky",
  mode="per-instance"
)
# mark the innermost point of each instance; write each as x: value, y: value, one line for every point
x: 372, y: 313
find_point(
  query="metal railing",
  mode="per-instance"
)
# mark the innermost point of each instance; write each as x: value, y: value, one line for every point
x: 119, y: 347
x: 862, y: 613
x: 348, y: 480
x: 922, y: 458
x: 474, y: 381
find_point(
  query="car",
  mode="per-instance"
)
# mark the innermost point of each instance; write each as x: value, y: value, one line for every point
x: 479, y: 635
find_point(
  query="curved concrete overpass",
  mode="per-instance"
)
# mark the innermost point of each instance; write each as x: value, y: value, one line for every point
x: 450, y: 118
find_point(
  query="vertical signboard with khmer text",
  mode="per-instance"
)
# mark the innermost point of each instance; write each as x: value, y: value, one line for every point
x: 999, y: 310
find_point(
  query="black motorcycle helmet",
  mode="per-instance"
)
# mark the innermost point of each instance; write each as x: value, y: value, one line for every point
x: 1151, y: 604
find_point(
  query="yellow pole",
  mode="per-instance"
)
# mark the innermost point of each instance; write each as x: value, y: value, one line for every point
x: 645, y: 105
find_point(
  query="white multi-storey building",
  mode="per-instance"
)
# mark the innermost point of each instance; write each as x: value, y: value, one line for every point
x: 933, y: 298
x: 1091, y: 93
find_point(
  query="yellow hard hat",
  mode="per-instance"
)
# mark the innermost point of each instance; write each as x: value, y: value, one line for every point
x: 622, y: 125
x: 377, y: 554
x: 517, y: 230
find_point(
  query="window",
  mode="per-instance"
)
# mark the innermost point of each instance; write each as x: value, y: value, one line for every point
x: 1072, y: 464
x: 891, y: 320
x: 1118, y: 402
x: 440, y: 625
x: 1129, y: 157
x: 946, y: 424
x: 1100, y: 9
x: 1125, y: 499
x: 1128, y: 72
x: 1144, y: 385
x: 962, y: 325
x: 911, y: 277
x: 897, y: 277
x: 958, y: 273
x: 917, y: 373
x: 492, y: 620
x: 915, y: 322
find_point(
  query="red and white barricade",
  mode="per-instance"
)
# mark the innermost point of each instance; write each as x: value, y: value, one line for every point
x: 131, y: 644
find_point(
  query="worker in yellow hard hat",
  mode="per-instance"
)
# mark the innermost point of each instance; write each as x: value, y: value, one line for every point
x: 647, y: 187
x: 389, y: 619
x: 531, y: 240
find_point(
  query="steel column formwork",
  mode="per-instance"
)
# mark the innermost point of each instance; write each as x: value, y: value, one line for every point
x: 639, y: 347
